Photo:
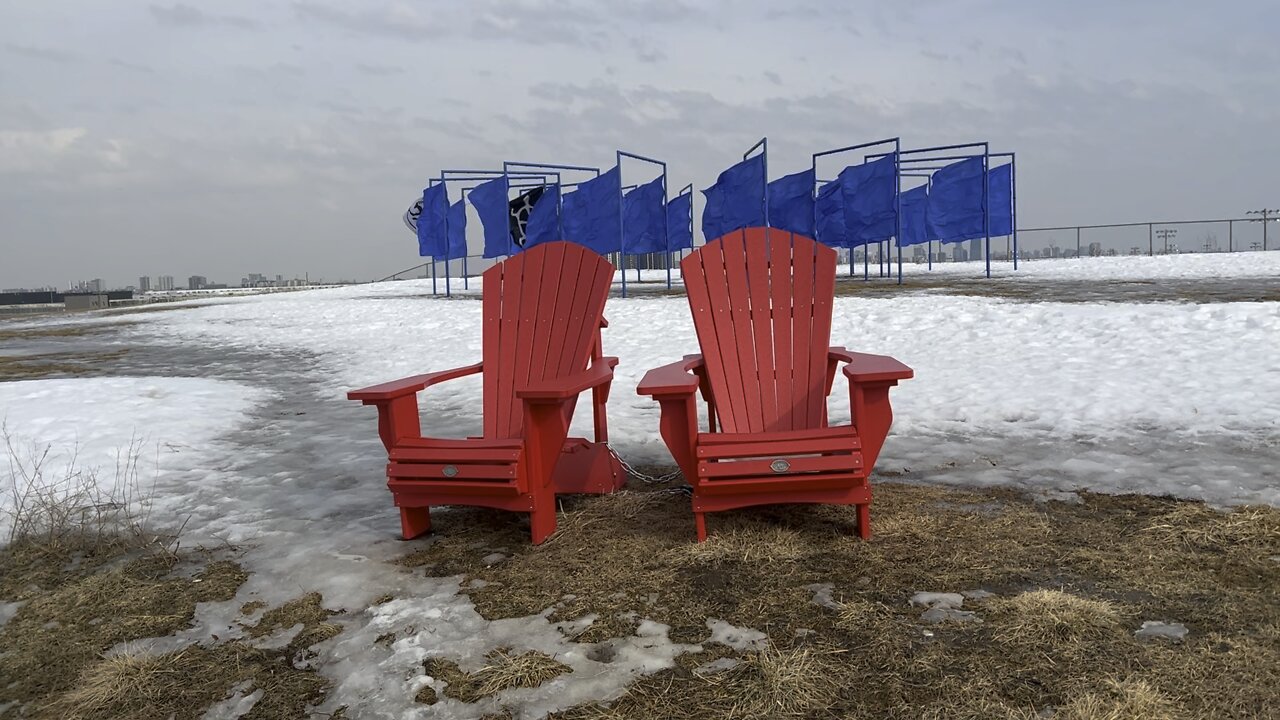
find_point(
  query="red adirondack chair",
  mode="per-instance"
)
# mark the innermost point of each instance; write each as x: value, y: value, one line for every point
x: 761, y: 301
x: 543, y: 311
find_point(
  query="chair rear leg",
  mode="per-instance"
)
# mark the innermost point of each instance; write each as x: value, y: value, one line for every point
x: 864, y: 522
x: 542, y: 519
x: 700, y: 522
x: 414, y: 521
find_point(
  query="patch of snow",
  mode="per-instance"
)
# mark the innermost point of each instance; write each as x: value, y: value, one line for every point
x: 937, y: 600
x: 717, y: 666
x: 822, y: 595
x: 736, y: 637
x: 380, y: 680
x: 493, y: 558
x: 8, y: 610
x: 1084, y: 371
x: 942, y: 613
x: 1155, y: 629
x: 236, y: 705
x: 279, y: 639
x: 88, y: 424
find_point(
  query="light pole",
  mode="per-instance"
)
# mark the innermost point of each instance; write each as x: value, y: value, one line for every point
x: 1266, y: 214
x: 1165, y: 234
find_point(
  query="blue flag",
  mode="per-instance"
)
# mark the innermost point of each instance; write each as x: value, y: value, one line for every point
x: 791, y: 203
x: 456, y: 221
x: 544, y: 218
x: 431, y: 223
x: 912, y: 203
x: 490, y: 201
x: 736, y: 200
x: 829, y: 208
x: 680, y: 222
x: 954, y: 209
x: 868, y: 192
x: 643, y: 220
x: 1000, y: 200
x: 592, y: 214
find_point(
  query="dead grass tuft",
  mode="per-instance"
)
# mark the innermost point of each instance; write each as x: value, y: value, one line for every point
x: 779, y: 683
x: 504, y: 669
x: 115, y: 678
x: 1053, y: 618
x: 1121, y: 700
x: 1200, y: 526
x: 747, y: 545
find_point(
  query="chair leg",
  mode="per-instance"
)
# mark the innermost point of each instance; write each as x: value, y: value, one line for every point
x: 864, y: 522
x: 542, y: 519
x: 700, y: 522
x: 414, y: 521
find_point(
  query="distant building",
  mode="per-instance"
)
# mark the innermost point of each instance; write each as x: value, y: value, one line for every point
x: 975, y: 248
x: 92, y: 301
x: 960, y: 254
x: 144, y: 283
x: 87, y: 286
x: 197, y: 282
x: 164, y: 282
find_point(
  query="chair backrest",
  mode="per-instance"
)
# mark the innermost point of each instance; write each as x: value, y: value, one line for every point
x: 761, y: 301
x: 542, y: 314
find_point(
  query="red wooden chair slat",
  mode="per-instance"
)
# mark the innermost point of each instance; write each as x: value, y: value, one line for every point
x: 542, y: 312
x: 783, y: 300
x: 761, y: 299
x: 762, y: 303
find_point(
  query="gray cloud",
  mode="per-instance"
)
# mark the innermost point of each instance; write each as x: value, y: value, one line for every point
x: 379, y: 70
x: 186, y: 16
x: 42, y: 53
x: 395, y: 20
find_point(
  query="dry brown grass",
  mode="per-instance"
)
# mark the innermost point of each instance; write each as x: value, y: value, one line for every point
x: 1073, y: 581
x: 1053, y: 618
x: 505, y: 669
x: 80, y: 602
x: 778, y: 683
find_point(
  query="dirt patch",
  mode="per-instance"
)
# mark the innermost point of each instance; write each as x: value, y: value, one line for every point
x: 68, y: 364
x: 1071, y: 582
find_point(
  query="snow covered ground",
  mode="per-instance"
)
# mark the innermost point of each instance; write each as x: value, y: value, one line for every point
x: 248, y: 393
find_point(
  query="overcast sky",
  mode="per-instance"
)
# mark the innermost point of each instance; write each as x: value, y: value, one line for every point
x: 288, y: 137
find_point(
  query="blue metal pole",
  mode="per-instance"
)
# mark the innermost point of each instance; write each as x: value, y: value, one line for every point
x: 1013, y: 199
x: 897, y: 206
x: 622, y: 241
x: 986, y: 210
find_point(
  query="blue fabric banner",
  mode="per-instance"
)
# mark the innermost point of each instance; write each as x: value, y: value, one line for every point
x: 830, y: 216
x: 456, y: 221
x: 643, y: 219
x: 544, y: 218
x: 736, y: 200
x: 912, y: 203
x: 868, y: 193
x: 490, y: 201
x: 1000, y: 200
x: 791, y: 203
x: 680, y: 222
x: 592, y: 214
x: 954, y: 208
x: 431, y: 223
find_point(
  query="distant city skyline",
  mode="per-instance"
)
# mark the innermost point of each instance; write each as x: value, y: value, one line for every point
x: 198, y: 138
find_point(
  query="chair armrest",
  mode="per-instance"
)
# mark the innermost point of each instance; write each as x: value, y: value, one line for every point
x: 410, y: 385
x: 676, y: 378
x: 866, y: 368
x: 598, y: 374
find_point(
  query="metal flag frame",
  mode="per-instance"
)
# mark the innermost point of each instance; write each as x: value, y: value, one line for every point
x: 897, y: 194
x: 763, y: 144
x: 622, y: 236
x: 986, y: 156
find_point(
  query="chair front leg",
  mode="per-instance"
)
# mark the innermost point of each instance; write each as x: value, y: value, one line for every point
x: 599, y: 399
